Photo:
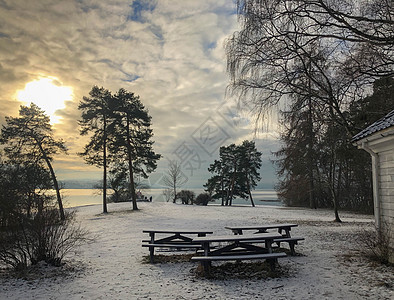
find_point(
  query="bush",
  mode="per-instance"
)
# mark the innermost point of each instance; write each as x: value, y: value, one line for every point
x: 376, y: 244
x: 43, y: 237
x: 186, y: 196
x: 203, y: 199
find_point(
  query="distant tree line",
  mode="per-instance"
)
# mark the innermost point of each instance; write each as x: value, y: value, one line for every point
x: 316, y: 168
x: 315, y: 60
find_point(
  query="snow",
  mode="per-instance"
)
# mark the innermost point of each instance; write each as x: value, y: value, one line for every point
x: 112, y: 266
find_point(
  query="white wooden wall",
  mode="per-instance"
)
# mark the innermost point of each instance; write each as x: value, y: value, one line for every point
x: 386, y: 191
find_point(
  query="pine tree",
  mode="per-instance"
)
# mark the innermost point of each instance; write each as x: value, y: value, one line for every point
x: 132, y: 138
x: 96, y: 114
x: 31, y: 135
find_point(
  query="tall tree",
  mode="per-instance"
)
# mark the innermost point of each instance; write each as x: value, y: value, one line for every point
x: 96, y: 112
x: 215, y: 185
x: 132, y: 137
x: 250, y: 164
x: 31, y: 134
x: 316, y: 53
x: 341, y: 172
x: 174, y: 178
x: 236, y: 172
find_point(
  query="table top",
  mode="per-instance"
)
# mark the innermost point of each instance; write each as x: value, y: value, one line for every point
x: 177, y: 231
x: 262, y: 226
x: 234, y: 238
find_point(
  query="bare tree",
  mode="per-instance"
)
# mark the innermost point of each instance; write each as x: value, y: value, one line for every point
x: 310, y: 53
x: 174, y: 178
x: 359, y: 26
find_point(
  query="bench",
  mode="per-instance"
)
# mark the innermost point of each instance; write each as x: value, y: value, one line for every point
x: 172, y: 239
x: 292, y: 241
x: 237, y: 247
x: 175, y: 246
x: 271, y: 257
x: 286, y: 237
x: 286, y: 227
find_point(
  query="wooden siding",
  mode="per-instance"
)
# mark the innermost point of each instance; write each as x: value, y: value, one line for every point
x: 386, y: 192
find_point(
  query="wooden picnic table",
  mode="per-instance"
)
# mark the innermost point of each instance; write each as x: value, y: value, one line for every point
x: 172, y: 239
x: 237, y: 247
x: 281, y: 227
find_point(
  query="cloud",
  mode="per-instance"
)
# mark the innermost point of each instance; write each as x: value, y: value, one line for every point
x: 170, y: 54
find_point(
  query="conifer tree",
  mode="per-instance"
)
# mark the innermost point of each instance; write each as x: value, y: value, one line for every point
x: 95, y: 120
x: 31, y: 135
x: 132, y: 138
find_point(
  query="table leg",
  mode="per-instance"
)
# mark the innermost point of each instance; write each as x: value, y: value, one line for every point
x: 268, y: 245
x: 152, y: 249
x: 206, y: 265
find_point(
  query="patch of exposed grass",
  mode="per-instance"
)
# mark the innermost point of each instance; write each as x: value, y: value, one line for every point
x: 242, y: 270
x: 173, y: 258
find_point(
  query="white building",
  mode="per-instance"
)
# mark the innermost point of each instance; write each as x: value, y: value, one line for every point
x: 378, y: 140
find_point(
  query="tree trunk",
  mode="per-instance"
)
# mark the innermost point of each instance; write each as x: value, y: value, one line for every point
x: 54, y: 180
x: 105, y: 167
x: 312, y: 201
x: 335, y: 200
x: 56, y: 186
x: 250, y: 193
x: 332, y: 175
x: 222, y: 185
x: 174, y: 200
x: 336, y: 195
x: 232, y: 187
x: 131, y: 172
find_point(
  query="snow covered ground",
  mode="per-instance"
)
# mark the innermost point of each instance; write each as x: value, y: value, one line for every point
x: 112, y: 266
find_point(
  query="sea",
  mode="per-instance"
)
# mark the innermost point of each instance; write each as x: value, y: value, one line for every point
x: 82, y: 197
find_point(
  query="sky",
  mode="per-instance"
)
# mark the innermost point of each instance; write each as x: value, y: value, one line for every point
x: 169, y: 52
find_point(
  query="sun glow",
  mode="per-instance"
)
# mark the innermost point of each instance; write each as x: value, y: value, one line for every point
x: 48, y: 94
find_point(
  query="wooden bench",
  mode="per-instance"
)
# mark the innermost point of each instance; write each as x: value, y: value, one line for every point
x: 173, y: 246
x: 172, y: 239
x: 237, y: 247
x: 286, y: 227
x: 282, y: 228
x: 292, y: 241
x: 271, y: 257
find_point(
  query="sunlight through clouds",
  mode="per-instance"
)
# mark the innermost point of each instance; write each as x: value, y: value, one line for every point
x: 170, y: 53
x: 47, y: 94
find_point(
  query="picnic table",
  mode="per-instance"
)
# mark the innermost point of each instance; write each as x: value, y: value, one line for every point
x: 180, y: 239
x: 285, y: 227
x: 282, y: 228
x: 237, y: 247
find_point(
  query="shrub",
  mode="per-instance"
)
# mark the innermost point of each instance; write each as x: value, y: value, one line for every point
x: 376, y: 244
x: 43, y: 237
x: 186, y: 196
x: 168, y: 194
x: 203, y: 199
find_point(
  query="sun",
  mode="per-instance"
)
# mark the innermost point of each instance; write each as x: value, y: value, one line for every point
x: 48, y: 94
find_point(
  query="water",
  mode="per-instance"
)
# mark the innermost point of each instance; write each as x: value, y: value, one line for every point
x: 81, y: 197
